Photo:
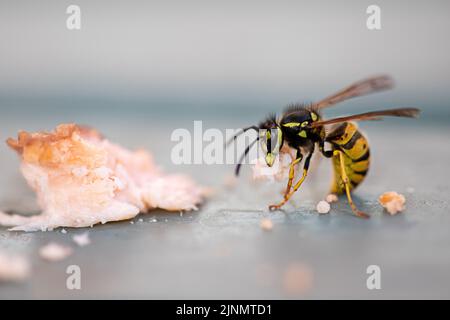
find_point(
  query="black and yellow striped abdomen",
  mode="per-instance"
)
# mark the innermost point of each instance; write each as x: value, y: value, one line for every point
x: 355, y: 148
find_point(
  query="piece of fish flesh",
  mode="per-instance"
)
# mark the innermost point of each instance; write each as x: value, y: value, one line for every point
x: 82, y: 179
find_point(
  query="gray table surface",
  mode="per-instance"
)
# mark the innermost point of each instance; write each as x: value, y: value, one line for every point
x: 221, y: 251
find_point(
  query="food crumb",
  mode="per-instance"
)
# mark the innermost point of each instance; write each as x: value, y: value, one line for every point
x: 393, y: 202
x: 141, y: 220
x: 323, y: 207
x: 297, y: 279
x: 13, y: 268
x: 131, y: 222
x: 54, y: 252
x: 266, y: 224
x: 63, y: 231
x: 82, y: 239
x: 331, y: 198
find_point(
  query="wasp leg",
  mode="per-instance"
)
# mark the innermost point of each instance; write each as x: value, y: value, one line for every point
x: 297, y: 185
x: 298, y: 159
x: 345, y: 179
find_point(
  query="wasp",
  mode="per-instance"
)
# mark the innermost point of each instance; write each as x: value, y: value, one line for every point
x: 303, y: 129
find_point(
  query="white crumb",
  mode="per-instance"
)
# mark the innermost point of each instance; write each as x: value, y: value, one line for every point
x: 141, y: 220
x: 153, y: 220
x: 393, y: 202
x: 63, y: 231
x: 266, y: 224
x: 54, y: 252
x: 331, y: 198
x: 13, y: 268
x: 131, y: 222
x: 323, y: 207
x: 82, y: 239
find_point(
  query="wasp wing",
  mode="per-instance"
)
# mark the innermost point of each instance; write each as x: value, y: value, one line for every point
x: 373, y: 115
x: 360, y: 88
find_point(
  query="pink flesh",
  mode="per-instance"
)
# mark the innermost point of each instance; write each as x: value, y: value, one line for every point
x: 85, y: 179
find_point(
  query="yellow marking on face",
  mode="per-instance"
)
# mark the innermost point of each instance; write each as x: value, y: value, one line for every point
x: 302, y: 134
x: 268, y: 135
x: 291, y: 124
x: 304, y: 124
x: 314, y: 116
x: 270, y: 159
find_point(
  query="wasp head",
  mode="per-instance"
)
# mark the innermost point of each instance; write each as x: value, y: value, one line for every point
x: 271, y: 139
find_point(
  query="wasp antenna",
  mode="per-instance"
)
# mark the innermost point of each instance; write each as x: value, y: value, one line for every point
x: 233, y: 138
x: 241, y: 159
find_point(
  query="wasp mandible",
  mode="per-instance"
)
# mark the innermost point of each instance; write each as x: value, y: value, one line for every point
x: 301, y: 126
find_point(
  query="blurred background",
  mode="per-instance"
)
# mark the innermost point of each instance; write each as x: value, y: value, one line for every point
x: 203, y: 58
x: 137, y: 70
